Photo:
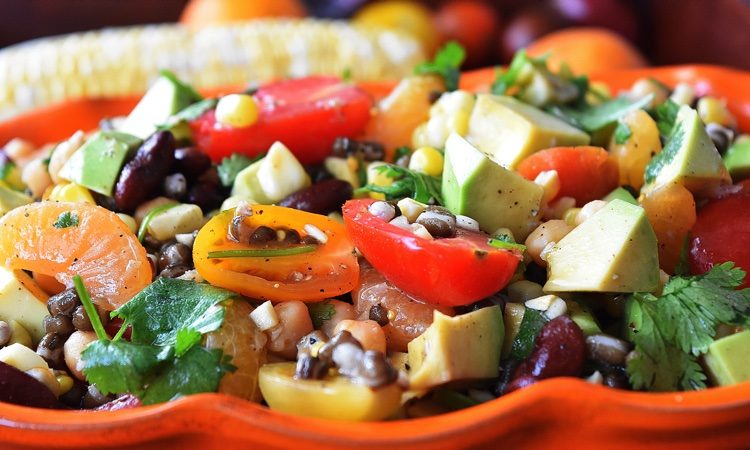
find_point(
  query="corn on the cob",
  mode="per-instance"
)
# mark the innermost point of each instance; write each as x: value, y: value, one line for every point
x: 116, y: 62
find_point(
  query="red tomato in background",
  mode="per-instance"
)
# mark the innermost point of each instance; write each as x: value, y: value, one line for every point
x: 586, y: 173
x: 472, y: 23
x: 444, y: 272
x: 305, y: 114
x: 722, y: 233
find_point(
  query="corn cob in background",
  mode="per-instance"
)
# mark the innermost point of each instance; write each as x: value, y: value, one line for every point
x: 124, y: 61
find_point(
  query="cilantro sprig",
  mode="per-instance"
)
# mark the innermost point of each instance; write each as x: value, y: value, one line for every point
x: 66, y: 219
x: 163, y: 360
x: 672, y: 330
x: 446, y: 64
x: 232, y: 165
x: 505, y: 242
x: 406, y: 183
x: 320, y: 312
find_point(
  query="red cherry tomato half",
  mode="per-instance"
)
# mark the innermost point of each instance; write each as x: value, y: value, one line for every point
x: 586, y: 173
x: 721, y: 233
x: 305, y: 114
x: 445, y: 272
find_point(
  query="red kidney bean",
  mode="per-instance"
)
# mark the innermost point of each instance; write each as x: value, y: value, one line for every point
x: 321, y: 198
x: 191, y: 162
x: 142, y: 176
x: 520, y: 383
x: 21, y: 389
x: 560, y: 350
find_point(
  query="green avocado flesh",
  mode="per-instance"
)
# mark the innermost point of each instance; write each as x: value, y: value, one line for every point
x: 612, y: 251
x: 737, y: 160
x: 11, y: 199
x: 96, y: 165
x: 689, y: 157
x: 621, y: 193
x: 475, y: 186
x: 728, y: 359
x: 508, y: 131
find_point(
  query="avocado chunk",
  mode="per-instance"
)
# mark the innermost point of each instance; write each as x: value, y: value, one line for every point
x: 464, y: 347
x: 23, y: 301
x: 165, y: 97
x: 508, y: 130
x: 10, y: 175
x: 97, y: 164
x: 10, y: 198
x: 583, y: 318
x: 689, y: 157
x: 612, y: 251
x: 271, y: 178
x: 737, y: 159
x: 622, y: 194
x: 728, y: 359
x: 475, y: 186
x: 512, y: 319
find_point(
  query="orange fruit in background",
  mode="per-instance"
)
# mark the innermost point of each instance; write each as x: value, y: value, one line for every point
x: 587, y: 50
x: 472, y: 23
x: 408, y: 16
x: 200, y: 13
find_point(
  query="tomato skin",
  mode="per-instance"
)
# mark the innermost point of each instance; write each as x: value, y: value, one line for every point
x: 721, y: 233
x: 444, y: 272
x: 305, y: 114
x: 586, y: 173
x: 332, y: 268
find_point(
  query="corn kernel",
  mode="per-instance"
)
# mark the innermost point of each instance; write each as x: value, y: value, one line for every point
x: 419, y: 137
x: 71, y: 192
x: 713, y: 110
x: 65, y: 382
x: 459, y: 123
x: 570, y: 215
x: 237, y: 110
x: 427, y: 160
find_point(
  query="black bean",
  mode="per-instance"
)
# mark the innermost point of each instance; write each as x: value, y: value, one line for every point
x: 310, y: 368
x: 440, y: 222
x: 722, y: 137
x: 379, y: 314
x: 5, y: 332
x: 63, y: 303
x: 291, y: 237
x: 320, y: 198
x: 318, y: 172
x: 326, y: 351
x: 143, y: 175
x: 375, y: 370
x: 74, y: 396
x: 175, y: 186
x: 344, y: 146
x: 81, y: 319
x: 191, y: 161
x: 262, y: 235
x: 93, y: 398
x: 175, y: 255
x: 607, y: 349
x: 207, y: 195
x: 174, y: 271
x: 309, y: 340
x: 51, y: 349
x: 59, y: 324
x: 309, y: 240
x: 367, y: 150
x: 372, y: 151
x: 616, y: 379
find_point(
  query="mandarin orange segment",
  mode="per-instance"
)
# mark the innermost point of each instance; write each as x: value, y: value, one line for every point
x: 66, y: 239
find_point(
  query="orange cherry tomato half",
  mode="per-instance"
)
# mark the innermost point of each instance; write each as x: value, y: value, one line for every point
x: 445, y: 272
x: 586, y: 173
x: 306, y: 114
x: 329, y: 270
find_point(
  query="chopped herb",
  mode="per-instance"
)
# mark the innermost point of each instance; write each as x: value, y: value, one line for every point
x: 320, y: 312
x: 622, y: 133
x: 6, y: 168
x: 506, y: 242
x: 407, y: 183
x: 346, y: 75
x: 186, y: 339
x: 66, y: 219
x: 505, y: 80
x: 666, y: 116
x: 143, y: 229
x: 189, y: 113
x: 592, y: 118
x: 532, y: 323
x: 446, y: 64
x: 232, y: 165
x: 666, y: 156
x: 401, y: 152
x: 671, y: 331
x: 88, y: 306
x: 262, y: 252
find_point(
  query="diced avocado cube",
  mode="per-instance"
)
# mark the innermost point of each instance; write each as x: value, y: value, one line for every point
x: 737, y: 159
x: 465, y: 347
x: 475, y: 186
x: 165, y: 97
x: 23, y: 301
x: 728, y: 359
x: 513, y: 317
x: 10, y: 198
x: 271, y: 178
x: 10, y: 174
x: 508, y: 130
x: 583, y: 318
x: 97, y: 164
x: 612, y: 251
x: 621, y: 194
x: 689, y: 157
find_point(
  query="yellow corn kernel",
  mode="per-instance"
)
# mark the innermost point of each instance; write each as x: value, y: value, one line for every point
x: 427, y: 160
x: 570, y: 215
x: 377, y: 178
x: 237, y: 110
x: 713, y: 110
x: 65, y: 382
x: 419, y: 136
x: 459, y: 122
x: 70, y: 192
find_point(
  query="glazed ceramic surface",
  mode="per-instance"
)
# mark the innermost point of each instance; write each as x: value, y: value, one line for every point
x: 558, y: 413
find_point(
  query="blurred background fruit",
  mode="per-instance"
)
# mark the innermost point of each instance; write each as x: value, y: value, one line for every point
x: 199, y: 13
x: 409, y: 16
x: 471, y: 23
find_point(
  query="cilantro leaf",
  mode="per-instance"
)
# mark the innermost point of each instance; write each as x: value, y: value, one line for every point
x: 508, y: 78
x: 670, y: 331
x: 6, y: 168
x: 532, y: 323
x: 189, y: 113
x: 592, y: 118
x: 167, y: 305
x: 66, y: 219
x: 119, y: 366
x: 185, y: 340
x: 666, y: 156
x: 504, y: 241
x: 622, y: 133
x: 446, y: 64
x: 232, y: 165
x: 320, y: 312
x: 407, y: 183
x: 666, y: 116
x: 198, y: 370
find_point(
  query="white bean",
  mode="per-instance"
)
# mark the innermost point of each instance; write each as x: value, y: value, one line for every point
x: 294, y: 323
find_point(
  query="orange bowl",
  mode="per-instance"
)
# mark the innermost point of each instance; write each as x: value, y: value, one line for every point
x: 559, y: 412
